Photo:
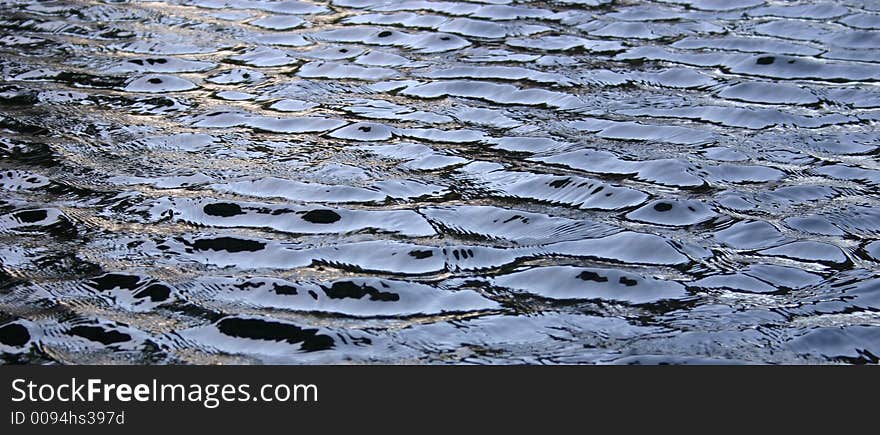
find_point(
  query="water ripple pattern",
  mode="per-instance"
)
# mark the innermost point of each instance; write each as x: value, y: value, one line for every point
x: 409, y: 182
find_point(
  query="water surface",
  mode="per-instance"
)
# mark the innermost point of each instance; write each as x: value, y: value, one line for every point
x: 358, y: 181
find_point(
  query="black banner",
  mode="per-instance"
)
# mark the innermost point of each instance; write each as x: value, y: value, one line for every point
x: 232, y: 399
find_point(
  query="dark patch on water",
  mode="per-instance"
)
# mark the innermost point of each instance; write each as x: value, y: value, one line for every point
x: 114, y: 280
x: 228, y: 244
x: 321, y: 216
x: 256, y: 329
x: 31, y: 216
x: 347, y: 289
x: 99, y: 334
x: 421, y: 254
x: 592, y: 276
x: 223, y: 209
x: 15, y: 335
x: 285, y: 289
x: 156, y: 293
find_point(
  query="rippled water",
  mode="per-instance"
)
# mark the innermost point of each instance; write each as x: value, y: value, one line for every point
x: 569, y: 181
